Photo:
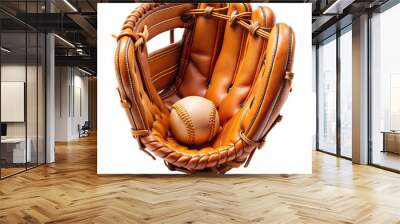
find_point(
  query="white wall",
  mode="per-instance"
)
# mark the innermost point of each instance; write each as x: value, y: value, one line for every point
x: 71, y: 102
x: 12, y: 73
x: 79, y: 111
x: 33, y: 127
x: 16, y: 72
x: 62, y: 82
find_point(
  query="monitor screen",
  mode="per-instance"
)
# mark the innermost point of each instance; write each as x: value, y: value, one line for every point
x: 3, y: 129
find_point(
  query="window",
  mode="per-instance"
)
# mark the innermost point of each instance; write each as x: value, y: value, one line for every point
x: 22, y: 77
x: 346, y: 92
x: 334, y: 65
x: 327, y: 96
x: 385, y: 89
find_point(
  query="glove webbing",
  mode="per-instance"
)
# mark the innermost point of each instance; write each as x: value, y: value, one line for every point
x: 239, y: 18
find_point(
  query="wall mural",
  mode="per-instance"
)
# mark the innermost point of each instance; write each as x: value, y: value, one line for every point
x: 209, y: 99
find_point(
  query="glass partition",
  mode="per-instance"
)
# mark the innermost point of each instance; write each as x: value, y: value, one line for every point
x: 14, y: 155
x: 41, y: 97
x: 385, y: 89
x: 32, y: 95
x: 327, y: 96
x: 346, y: 93
x: 22, y: 78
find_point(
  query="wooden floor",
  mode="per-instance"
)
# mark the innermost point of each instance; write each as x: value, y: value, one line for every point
x: 70, y: 191
x: 387, y: 159
x: 5, y: 172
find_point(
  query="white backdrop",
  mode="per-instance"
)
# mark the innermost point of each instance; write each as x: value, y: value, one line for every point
x: 288, y: 146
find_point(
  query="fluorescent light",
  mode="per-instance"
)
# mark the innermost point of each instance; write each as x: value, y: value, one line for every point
x: 5, y: 50
x: 332, y: 7
x: 84, y: 71
x: 338, y: 6
x: 70, y: 5
x: 64, y: 40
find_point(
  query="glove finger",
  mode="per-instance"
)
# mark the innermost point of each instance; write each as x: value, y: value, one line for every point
x: 271, y: 83
x: 249, y: 65
x: 204, y: 48
x: 229, y: 56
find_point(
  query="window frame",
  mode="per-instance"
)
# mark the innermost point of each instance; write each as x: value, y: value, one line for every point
x: 381, y: 9
x: 334, y: 37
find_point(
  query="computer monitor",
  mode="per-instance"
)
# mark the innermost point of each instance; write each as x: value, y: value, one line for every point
x: 3, y: 129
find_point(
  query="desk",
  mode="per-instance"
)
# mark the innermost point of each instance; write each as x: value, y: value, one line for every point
x: 15, y: 148
x: 391, y: 141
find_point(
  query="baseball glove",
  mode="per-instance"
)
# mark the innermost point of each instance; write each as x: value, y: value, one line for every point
x: 237, y: 58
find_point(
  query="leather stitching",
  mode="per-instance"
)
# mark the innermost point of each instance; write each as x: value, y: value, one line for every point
x: 220, y: 151
x: 242, y: 51
x: 289, y: 52
x: 247, y: 140
x: 161, y: 54
x: 164, y: 21
x: 164, y: 72
x: 171, y: 90
x: 153, y: 12
x: 288, y: 76
x: 187, y: 120
x: 217, y: 43
x: 164, y: 75
x: 185, y: 56
x: 119, y: 76
x: 132, y: 84
x: 264, y: 16
x: 211, y: 122
x: 267, y: 78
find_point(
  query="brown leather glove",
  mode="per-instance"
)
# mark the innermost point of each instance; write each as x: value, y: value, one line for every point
x: 237, y: 58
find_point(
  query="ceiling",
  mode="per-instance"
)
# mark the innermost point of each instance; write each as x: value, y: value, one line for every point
x: 329, y: 16
x: 75, y: 22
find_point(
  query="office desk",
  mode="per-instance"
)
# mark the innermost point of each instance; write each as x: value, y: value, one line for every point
x: 13, y: 150
x: 391, y: 141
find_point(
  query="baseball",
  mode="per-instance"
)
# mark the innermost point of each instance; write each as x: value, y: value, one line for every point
x: 194, y: 120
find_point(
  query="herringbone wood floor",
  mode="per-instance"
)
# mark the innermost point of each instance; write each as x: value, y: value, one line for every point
x: 70, y: 191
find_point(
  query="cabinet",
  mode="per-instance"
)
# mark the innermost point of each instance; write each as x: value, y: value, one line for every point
x: 391, y: 141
